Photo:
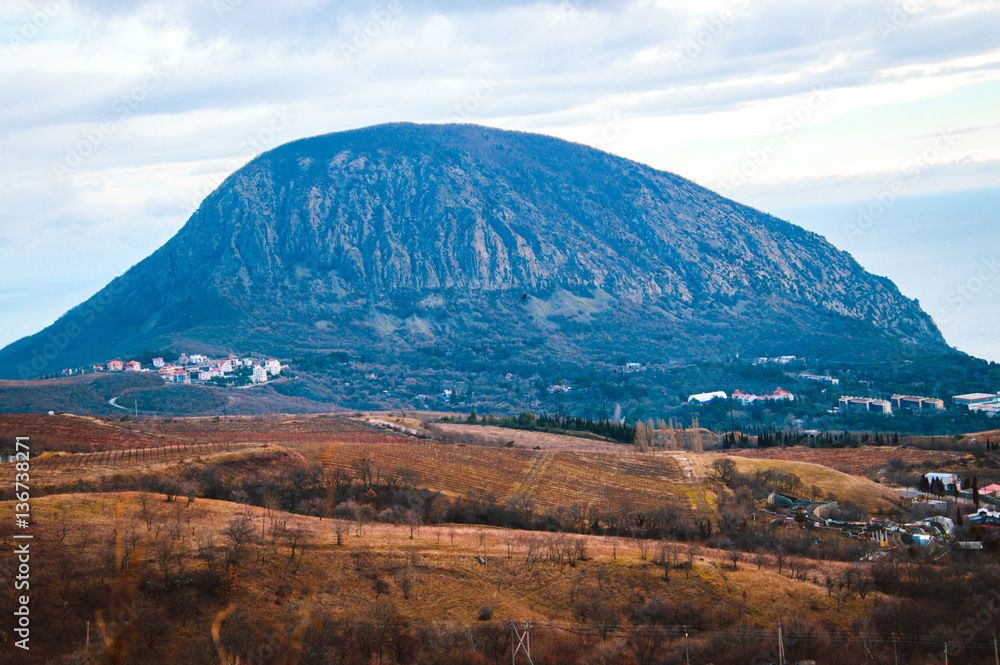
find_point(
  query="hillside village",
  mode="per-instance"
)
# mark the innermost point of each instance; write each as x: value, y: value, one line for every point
x: 201, y: 369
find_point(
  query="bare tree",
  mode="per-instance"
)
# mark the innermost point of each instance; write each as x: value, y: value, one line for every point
x: 340, y: 528
x: 239, y: 533
x: 206, y: 551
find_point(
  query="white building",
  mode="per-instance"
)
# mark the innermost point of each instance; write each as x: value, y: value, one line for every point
x: 259, y: 374
x: 705, y: 398
x: 157, y: 363
x: 273, y: 367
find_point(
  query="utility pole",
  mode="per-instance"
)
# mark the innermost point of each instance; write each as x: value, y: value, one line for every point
x: 945, y: 653
x: 523, y: 642
x: 135, y: 402
x: 996, y: 654
x: 781, y: 647
x: 687, y: 653
x: 88, y: 635
x: 895, y: 657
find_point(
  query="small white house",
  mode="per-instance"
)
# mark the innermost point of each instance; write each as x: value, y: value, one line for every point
x: 949, y: 480
x: 273, y: 367
x: 259, y: 374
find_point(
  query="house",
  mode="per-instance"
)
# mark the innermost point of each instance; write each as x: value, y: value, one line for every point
x: 985, y: 517
x: 780, y: 394
x: 865, y: 404
x: 183, y: 359
x: 750, y: 398
x: 115, y: 366
x: 633, y: 367
x: 182, y: 376
x: 248, y: 362
x: 273, y: 367
x: 195, y: 359
x: 817, y: 377
x: 989, y: 408
x: 558, y: 388
x: 973, y: 398
x: 204, y: 375
x: 915, y: 404
x: 784, y: 360
x: 98, y: 368
x: 705, y: 398
x: 225, y: 366
x: 157, y: 363
x: 991, y: 490
x: 133, y: 366
x: 880, y: 406
x: 949, y: 480
x: 259, y: 374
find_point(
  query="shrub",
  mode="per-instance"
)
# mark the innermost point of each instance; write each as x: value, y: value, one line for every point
x: 485, y: 613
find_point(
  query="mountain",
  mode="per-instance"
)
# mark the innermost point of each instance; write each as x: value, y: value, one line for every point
x: 459, y: 246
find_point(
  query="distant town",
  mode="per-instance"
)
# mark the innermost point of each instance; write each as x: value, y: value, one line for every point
x: 985, y: 403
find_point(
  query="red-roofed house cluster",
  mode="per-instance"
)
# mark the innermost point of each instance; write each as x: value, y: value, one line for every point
x: 777, y: 396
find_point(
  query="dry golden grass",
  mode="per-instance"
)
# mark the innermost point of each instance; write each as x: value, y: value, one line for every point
x: 544, y: 440
x: 548, y: 478
x: 840, y: 486
x: 448, y: 582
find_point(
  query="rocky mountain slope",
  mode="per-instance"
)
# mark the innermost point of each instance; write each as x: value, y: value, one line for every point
x: 408, y: 240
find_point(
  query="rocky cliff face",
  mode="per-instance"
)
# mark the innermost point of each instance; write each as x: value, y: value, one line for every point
x: 400, y: 236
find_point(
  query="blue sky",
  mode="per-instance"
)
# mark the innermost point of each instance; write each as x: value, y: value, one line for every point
x: 119, y: 118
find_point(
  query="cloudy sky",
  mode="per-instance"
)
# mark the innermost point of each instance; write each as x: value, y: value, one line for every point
x: 858, y: 119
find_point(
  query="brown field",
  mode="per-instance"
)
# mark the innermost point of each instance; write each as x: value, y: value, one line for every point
x: 544, y: 440
x: 78, y: 433
x: 548, y: 478
x: 566, y: 471
x: 430, y: 573
x: 334, y: 582
x: 865, y: 461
